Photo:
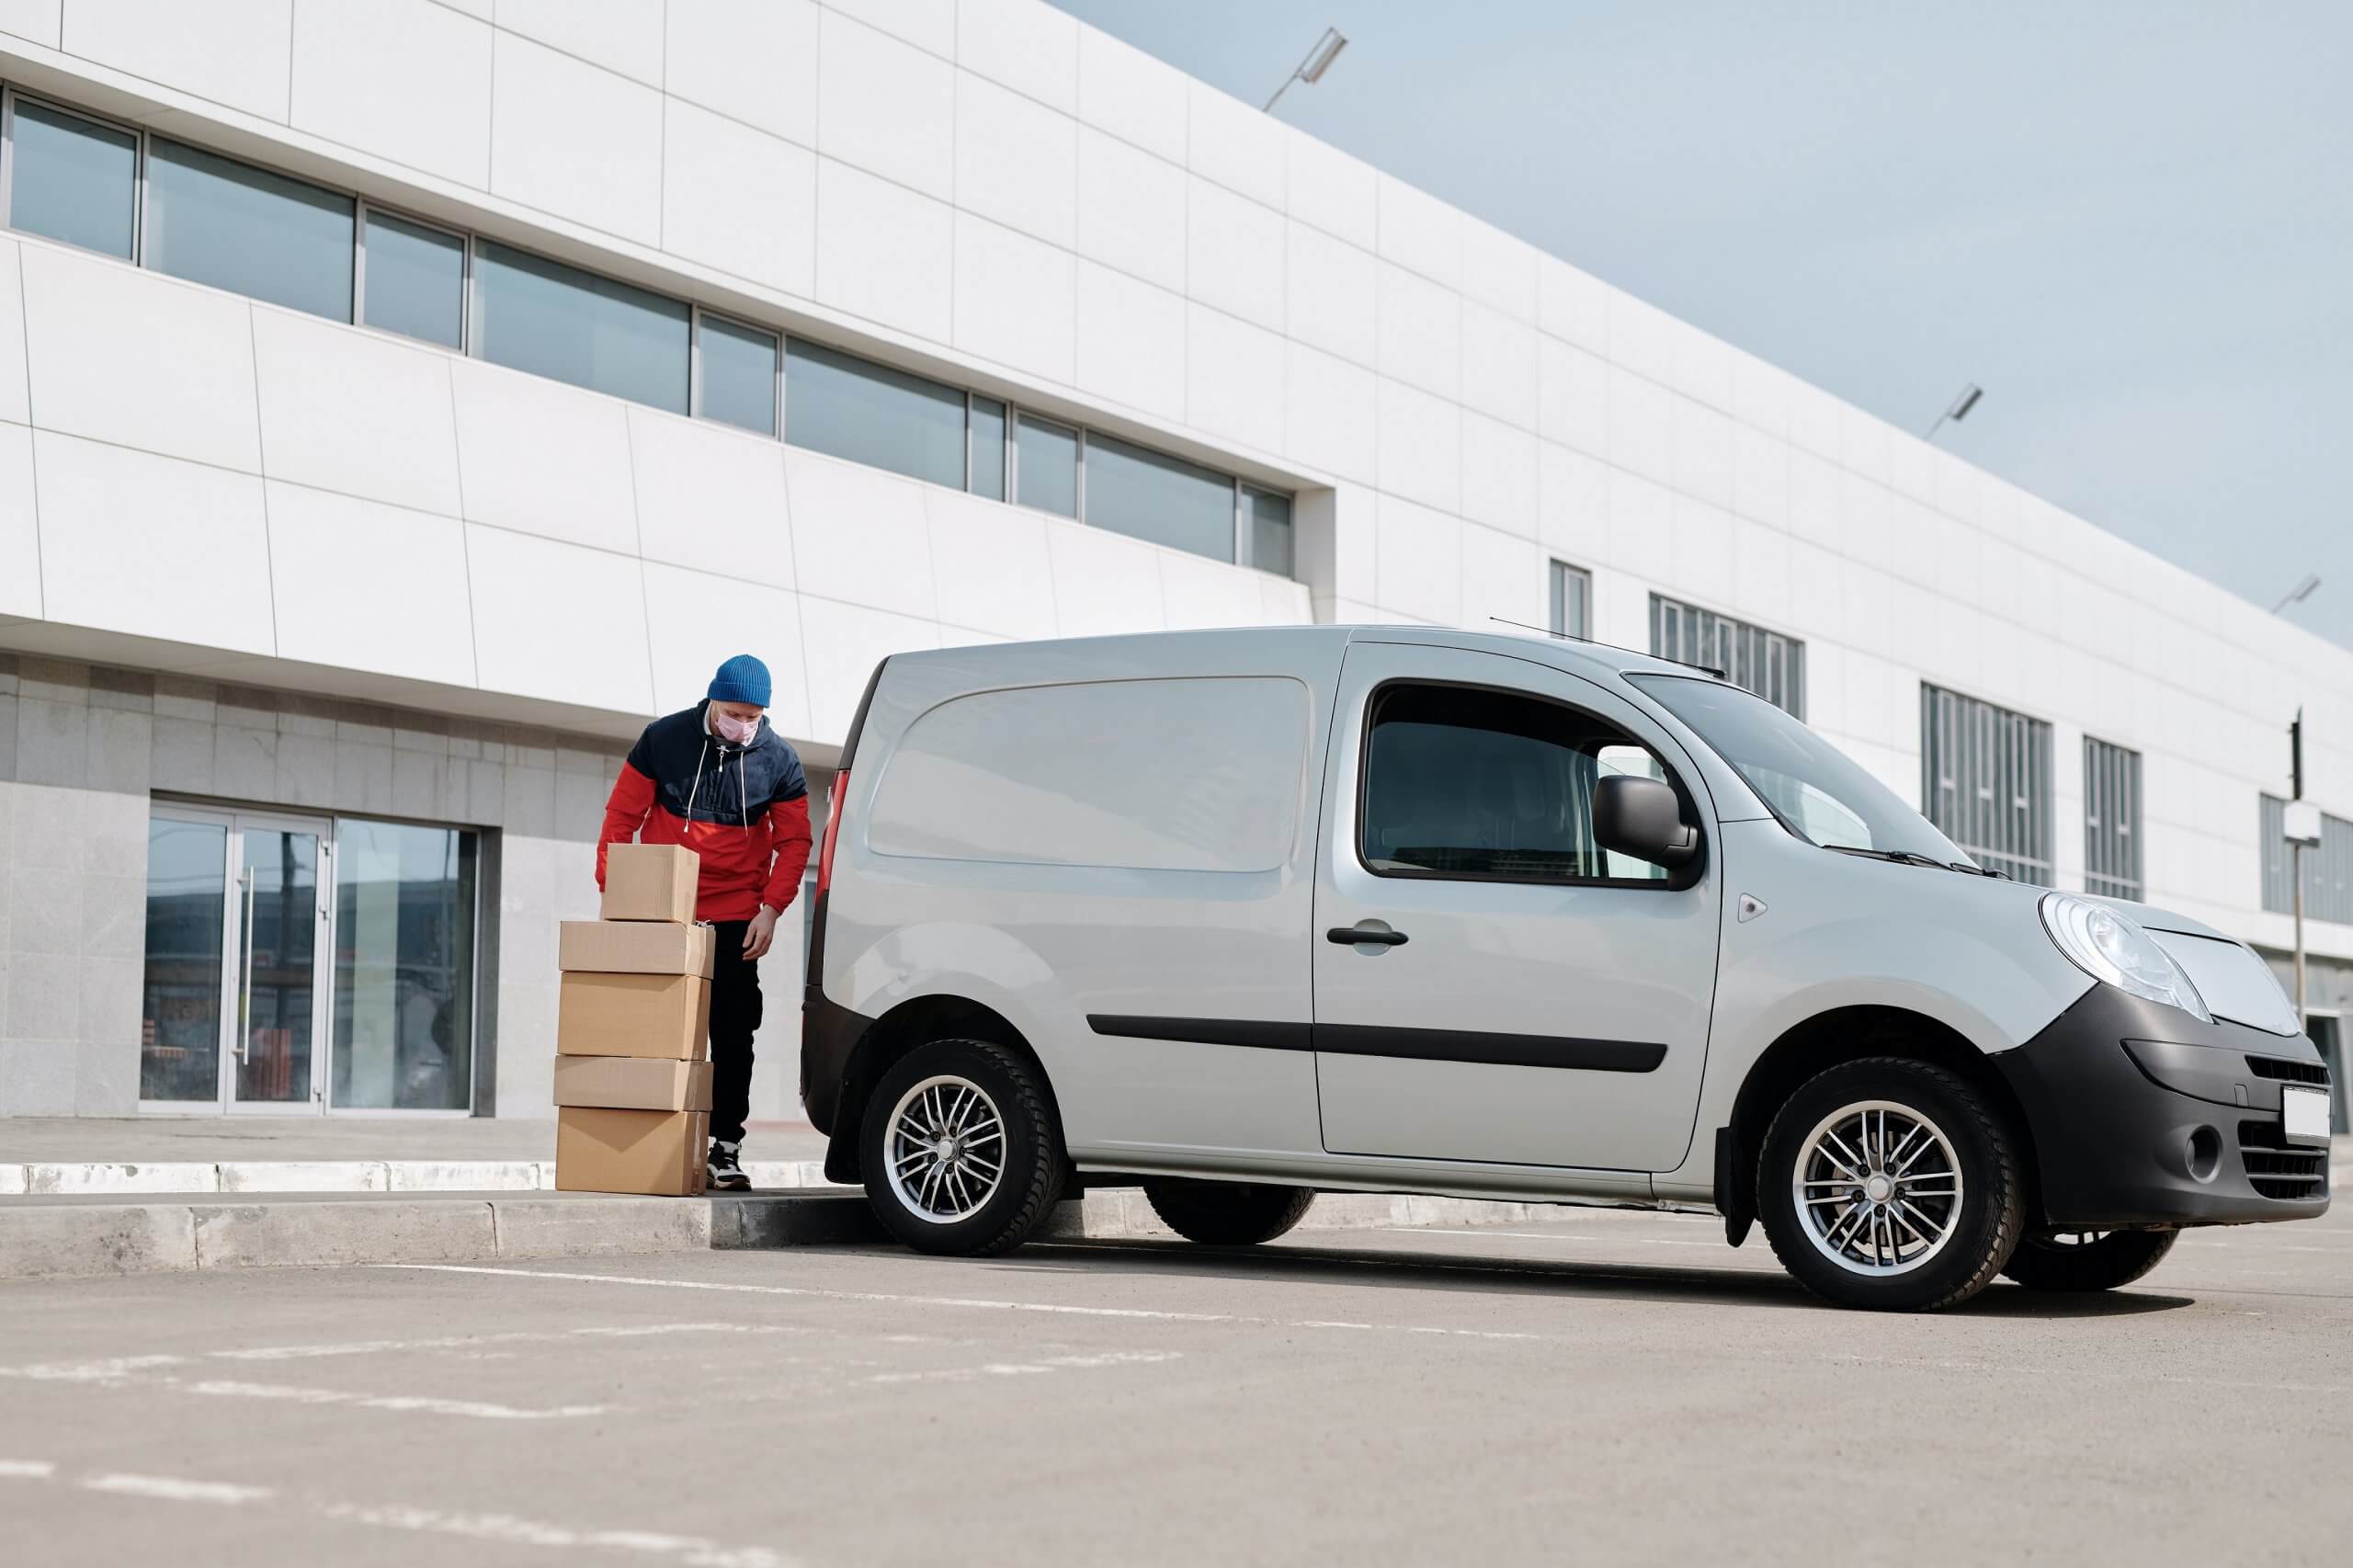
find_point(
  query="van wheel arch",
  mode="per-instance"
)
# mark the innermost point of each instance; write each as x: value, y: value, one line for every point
x: 1848, y: 1034
x: 910, y: 1023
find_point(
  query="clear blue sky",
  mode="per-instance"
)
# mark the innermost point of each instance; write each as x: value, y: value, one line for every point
x: 2129, y: 220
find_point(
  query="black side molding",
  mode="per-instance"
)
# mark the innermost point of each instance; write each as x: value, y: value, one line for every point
x: 1373, y: 1039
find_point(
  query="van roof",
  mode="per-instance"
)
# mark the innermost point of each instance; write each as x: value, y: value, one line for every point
x: 1573, y: 653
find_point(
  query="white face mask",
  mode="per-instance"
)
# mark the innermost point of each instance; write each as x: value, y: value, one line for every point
x: 734, y: 731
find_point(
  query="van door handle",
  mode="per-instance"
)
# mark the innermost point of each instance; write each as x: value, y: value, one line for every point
x: 1348, y: 936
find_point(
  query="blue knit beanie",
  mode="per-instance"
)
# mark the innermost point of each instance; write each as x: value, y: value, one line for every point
x: 741, y: 679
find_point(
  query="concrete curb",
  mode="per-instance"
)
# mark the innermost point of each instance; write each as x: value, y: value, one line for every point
x: 88, y: 1178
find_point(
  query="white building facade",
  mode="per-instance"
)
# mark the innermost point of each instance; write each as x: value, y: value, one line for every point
x: 400, y: 402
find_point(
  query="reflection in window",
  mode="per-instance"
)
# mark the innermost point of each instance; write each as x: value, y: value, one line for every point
x: 415, y: 280
x: 210, y: 219
x: 405, y: 967
x: 1476, y: 783
x: 1271, y: 532
x: 738, y: 375
x: 1045, y: 466
x: 554, y: 320
x: 870, y: 414
x: 1150, y: 495
x: 73, y: 181
x: 179, y: 1029
x: 987, y: 476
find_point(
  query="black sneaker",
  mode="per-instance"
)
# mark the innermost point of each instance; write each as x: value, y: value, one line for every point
x: 726, y: 1173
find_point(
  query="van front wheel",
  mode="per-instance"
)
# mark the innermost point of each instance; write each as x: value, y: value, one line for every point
x: 1890, y: 1183
x: 960, y: 1150
x: 2087, y: 1260
x: 1227, y: 1213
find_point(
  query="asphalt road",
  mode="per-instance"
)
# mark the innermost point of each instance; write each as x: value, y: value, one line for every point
x: 1608, y: 1389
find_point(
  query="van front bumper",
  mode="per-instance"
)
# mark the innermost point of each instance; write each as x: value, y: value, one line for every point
x: 2143, y: 1117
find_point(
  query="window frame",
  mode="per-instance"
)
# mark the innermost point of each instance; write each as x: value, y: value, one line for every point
x: 10, y: 94
x: 695, y: 315
x: 1016, y: 416
x: 360, y: 276
x: 1793, y: 669
x: 1677, y: 878
x: 2117, y: 772
x: 1977, y: 730
x: 1557, y: 574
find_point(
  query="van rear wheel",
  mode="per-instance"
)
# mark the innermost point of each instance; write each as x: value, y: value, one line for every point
x: 1891, y: 1184
x: 961, y: 1151
x: 1227, y: 1213
x: 2087, y: 1260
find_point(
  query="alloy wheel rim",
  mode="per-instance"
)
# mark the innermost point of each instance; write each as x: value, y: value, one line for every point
x: 1878, y: 1188
x: 945, y: 1151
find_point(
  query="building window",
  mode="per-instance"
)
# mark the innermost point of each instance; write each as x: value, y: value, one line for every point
x: 217, y: 220
x: 213, y: 221
x: 2328, y: 866
x: 1269, y: 532
x: 1766, y: 663
x: 2111, y: 820
x: 71, y: 180
x: 413, y: 279
x: 737, y: 374
x: 1572, y: 601
x: 1045, y: 466
x: 1166, y: 500
x: 539, y: 316
x: 1985, y: 781
x: 869, y: 414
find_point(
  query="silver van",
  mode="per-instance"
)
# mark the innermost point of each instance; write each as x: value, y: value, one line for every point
x: 1241, y: 916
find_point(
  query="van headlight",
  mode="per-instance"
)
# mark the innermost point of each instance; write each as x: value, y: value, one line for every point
x: 2109, y: 945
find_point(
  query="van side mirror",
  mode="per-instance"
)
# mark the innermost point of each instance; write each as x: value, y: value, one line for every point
x: 1641, y: 817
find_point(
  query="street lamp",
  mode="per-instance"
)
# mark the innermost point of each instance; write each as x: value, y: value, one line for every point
x: 2300, y: 593
x: 1959, y: 411
x: 1311, y: 70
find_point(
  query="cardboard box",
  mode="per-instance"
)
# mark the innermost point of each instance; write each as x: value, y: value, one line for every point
x: 634, y: 946
x: 665, y: 1016
x: 632, y: 1083
x: 656, y: 1152
x: 650, y: 882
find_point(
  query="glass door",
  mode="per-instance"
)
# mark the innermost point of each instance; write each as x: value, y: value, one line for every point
x: 237, y: 943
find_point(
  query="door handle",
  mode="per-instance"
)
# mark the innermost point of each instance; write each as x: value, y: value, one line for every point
x: 245, y: 994
x: 1348, y: 936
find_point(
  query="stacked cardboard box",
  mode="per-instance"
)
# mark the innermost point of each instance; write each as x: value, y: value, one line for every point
x: 633, y: 1069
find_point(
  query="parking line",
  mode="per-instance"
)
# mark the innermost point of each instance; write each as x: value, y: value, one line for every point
x: 173, y: 1489
x: 971, y: 1302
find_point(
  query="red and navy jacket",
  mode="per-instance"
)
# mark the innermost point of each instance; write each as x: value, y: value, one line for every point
x: 743, y: 809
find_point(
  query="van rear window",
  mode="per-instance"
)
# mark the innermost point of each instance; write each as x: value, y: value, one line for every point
x: 1189, y: 775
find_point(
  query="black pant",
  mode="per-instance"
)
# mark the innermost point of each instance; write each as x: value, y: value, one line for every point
x: 734, y: 1017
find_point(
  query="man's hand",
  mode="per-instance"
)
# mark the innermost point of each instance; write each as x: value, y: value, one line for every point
x: 760, y: 935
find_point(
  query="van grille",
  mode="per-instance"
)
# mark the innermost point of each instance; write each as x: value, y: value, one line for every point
x: 2275, y: 1169
x: 2282, y: 1069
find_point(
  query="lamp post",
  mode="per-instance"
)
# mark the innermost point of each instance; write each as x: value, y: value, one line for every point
x: 2300, y: 593
x: 2300, y: 825
x: 1962, y: 404
x: 1311, y: 70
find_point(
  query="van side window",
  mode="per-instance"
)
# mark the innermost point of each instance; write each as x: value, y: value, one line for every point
x: 1464, y: 781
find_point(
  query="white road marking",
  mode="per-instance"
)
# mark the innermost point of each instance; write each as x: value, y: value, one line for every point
x: 27, y: 1469
x: 971, y: 1302
x: 477, y: 1409
x: 472, y: 1341
x: 176, y: 1489
x: 694, y: 1550
x: 119, y: 1369
x: 1026, y: 1369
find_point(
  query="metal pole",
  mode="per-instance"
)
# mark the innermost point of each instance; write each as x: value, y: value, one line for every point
x: 2296, y: 868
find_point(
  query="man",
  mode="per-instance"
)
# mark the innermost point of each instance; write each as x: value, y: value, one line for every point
x: 716, y: 779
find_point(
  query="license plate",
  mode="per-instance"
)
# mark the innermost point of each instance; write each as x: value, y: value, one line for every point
x: 2303, y: 1114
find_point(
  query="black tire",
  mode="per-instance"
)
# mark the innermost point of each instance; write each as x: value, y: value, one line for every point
x: 1227, y: 1213
x: 1977, y: 1240
x: 1029, y: 1179
x: 2050, y: 1262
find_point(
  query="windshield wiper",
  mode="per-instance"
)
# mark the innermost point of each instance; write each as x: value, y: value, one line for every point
x: 1900, y: 857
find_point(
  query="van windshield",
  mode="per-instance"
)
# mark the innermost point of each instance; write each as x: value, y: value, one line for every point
x: 1818, y: 791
